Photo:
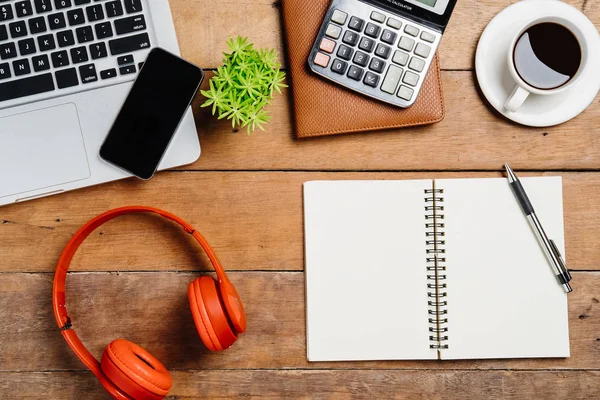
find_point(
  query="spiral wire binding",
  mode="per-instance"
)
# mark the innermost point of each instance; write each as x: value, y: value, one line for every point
x: 436, y: 268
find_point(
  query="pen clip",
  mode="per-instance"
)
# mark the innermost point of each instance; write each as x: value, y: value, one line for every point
x: 565, y: 274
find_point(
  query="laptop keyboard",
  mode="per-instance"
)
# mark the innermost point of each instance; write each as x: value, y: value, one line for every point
x: 52, y: 48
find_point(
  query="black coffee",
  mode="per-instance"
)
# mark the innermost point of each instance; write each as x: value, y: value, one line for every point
x: 547, y: 55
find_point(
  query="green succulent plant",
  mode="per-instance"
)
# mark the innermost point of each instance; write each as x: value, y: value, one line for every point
x: 244, y: 85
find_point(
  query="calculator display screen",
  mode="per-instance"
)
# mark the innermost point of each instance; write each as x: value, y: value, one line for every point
x: 430, y: 3
x: 434, y: 13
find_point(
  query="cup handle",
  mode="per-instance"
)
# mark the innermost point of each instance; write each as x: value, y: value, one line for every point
x: 516, y: 99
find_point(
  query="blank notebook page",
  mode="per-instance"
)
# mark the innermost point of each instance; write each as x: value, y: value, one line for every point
x: 366, y: 284
x: 503, y: 299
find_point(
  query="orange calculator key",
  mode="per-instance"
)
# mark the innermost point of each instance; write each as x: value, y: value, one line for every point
x: 327, y: 45
x: 322, y: 60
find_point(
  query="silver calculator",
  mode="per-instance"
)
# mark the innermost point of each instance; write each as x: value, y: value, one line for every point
x: 380, y: 48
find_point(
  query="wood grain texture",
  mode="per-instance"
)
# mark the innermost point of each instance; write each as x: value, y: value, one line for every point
x: 471, y: 137
x: 151, y: 309
x: 254, y: 220
x: 202, y: 39
x: 572, y: 385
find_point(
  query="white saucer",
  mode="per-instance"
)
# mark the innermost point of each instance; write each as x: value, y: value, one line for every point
x: 496, y: 83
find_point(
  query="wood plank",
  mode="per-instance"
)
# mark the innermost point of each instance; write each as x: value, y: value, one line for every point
x: 325, y: 385
x: 233, y: 210
x: 471, y: 137
x: 202, y: 39
x: 151, y: 309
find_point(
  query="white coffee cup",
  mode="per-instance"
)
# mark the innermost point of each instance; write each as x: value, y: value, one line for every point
x: 523, y: 89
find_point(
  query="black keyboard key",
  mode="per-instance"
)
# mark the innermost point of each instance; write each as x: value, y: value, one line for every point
x: 103, y: 30
x: 355, y: 73
x: 339, y: 67
x: 88, y: 73
x: 46, y: 42
x: 377, y: 65
x: 5, y: 71
x: 81, y: 2
x: 108, y: 73
x: 84, y: 34
x: 8, y: 51
x: 130, y: 24
x: 79, y: 55
x: 345, y: 52
x: 372, y: 30
x: 26, y: 87
x: 24, y: 8
x: 40, y: 63
x: 6, y: 12
x: 3, y: 33
x: 37, y: 25
x: 361, y: 59
x: 59, y: 4
x: 383, y: 51
x: 133, y: 6
x: 57, y: 21
x: 388, y: 36
x: 366, y: 44
x: 67, y: 78
x: 21, y: 67
x: 350, y: 38
x: 371, y: 79
x: 76, y: 17
x: 129, y: 44
x: 114, y: 9
x: 94, y: 13
x: 356, y: 24
x: 42, y: 6
x: 60, y: 59
x: 98, y: 50
x: 65, y: 38
x: 27, y: 46
x: 18, y: 29
x: 125, y: 60
x: 130, y: 69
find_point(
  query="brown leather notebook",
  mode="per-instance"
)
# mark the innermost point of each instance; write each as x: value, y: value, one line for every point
x: 325, y: 108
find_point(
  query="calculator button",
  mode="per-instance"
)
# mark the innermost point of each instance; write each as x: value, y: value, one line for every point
x: 416, y: 64
x: 406, y: 43
x: 339, y: 67
x: 383, y: 51
x: 411, y: 30
x: 333, y: 31
x: 327, y: 45
x: 428, y: 37
x: 377, y: 16
x: 321, y: 60
x: 388, y: 36
x: 366, y: 44
x: 394, y: 23
x: 356, y: 24
x: 410, y: 78
x: 422, y: 50
x: 350, y: 38
x: 405, y: 92
x: 361, y: 59
x: 371, y: 79
x: 400, y: 58
x: 355, y: 73
x: 372, y: 30
x: 339, y: 17
x: 345, y: 52
x: 377, y: 65
x: 392, y: 78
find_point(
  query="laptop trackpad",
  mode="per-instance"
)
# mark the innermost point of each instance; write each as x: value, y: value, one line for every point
x: 41, y: 149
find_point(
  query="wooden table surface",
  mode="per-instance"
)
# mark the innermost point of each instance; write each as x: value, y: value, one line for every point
x: 244, y: 195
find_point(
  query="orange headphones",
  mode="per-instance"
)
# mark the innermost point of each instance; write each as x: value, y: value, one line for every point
x: 127, y: 371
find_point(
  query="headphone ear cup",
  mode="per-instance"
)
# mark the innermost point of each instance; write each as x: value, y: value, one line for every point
x: 135, y: 371
x: 210, y: 315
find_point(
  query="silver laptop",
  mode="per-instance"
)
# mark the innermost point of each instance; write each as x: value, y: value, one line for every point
x: 66, y: 66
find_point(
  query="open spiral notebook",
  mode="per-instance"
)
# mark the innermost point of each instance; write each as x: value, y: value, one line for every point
x: 444, y: 269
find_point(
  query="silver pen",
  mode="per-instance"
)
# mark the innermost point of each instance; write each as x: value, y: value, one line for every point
x: 554, y: 257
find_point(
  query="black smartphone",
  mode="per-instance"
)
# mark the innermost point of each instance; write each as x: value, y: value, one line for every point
x: 153, y: 110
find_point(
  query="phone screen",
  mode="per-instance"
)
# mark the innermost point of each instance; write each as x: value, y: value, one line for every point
x: 151, y: 113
